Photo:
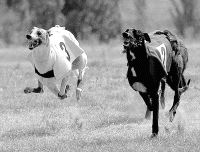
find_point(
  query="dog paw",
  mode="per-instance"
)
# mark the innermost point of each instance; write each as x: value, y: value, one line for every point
x: 38, y: 90
x: 153, y: 135
x: 62, y: 96
x: 28, y: 90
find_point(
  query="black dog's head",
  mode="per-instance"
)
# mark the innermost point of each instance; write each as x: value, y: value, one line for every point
x: 134, y: 39
x: 37, y: 37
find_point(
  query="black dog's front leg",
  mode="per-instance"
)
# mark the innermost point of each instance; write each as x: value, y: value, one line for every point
x: 39, y: 89
x: 148, y: 103
x: 154, y: 83
x: 155, y: 105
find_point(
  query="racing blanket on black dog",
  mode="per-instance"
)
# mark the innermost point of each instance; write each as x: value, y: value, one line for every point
x: 160, y: 48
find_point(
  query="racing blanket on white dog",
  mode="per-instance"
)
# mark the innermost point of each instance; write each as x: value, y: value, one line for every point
x: 63, y: 50
x: 67, y: 49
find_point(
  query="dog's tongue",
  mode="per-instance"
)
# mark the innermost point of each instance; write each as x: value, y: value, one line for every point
x: 30, y: 46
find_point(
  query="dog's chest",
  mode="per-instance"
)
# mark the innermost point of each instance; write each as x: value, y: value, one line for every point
x: 134, y: 81
x: 43, y: 59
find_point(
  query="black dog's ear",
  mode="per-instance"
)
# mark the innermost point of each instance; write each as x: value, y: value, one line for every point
x: 127, y: 30
x: 147, y: 38
x: 134, y: 31
x: 125, y: 34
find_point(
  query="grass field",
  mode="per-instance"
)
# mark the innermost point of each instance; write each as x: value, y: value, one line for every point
x: 110, y: 116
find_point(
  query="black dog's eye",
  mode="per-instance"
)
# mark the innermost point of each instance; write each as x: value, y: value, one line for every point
x: 39, y: 33
x: 126, y: 43
x: 130, y: 37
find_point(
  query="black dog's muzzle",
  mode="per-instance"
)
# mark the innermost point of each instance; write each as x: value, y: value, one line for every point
x: 126, y: 44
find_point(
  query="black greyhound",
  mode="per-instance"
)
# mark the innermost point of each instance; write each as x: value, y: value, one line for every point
x: 155, y: 59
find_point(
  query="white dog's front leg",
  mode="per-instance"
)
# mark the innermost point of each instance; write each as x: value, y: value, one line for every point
x: 80, y: 64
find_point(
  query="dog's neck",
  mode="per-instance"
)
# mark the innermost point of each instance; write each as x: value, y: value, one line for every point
x: 41, y: 53
x: 140, y: 55
x: 43, y: 58
x: 139, y: 63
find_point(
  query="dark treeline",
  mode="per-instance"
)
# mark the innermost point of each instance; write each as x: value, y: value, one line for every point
x: 84, y: 18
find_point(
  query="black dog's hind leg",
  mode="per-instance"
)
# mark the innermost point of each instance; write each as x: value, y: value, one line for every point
x: 155, y: 104
x: 183, y: 86
x: 39, y: 89
x: 174, y: 83
x: 172, y: 111
x: 178, y: 92
x: 147, y: 101
x: 177, y: 83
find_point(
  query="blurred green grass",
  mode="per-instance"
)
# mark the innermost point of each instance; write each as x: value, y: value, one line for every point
x: 110, y: 112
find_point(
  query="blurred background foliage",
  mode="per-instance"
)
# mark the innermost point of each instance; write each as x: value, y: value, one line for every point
x: 103, y: 19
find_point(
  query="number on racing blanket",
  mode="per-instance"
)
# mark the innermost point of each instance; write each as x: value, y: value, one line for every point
x: 163, y: 52
x: 63, y: 47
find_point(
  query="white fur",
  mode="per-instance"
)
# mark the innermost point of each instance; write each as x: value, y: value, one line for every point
x: 50, y: 55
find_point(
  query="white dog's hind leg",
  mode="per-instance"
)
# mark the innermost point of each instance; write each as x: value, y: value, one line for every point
x: 80, y: 64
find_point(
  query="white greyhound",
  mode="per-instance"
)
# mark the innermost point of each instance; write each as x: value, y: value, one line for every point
x: 54, y: 54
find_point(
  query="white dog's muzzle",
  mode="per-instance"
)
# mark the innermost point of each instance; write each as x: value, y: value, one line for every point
x: 33, y: 43
x: 36, y: 37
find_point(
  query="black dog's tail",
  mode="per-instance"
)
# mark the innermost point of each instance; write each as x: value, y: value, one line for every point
x: 183, y: 89
x: 171, y: 37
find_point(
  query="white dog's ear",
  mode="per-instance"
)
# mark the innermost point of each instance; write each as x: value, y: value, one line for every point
x: 49, y: 33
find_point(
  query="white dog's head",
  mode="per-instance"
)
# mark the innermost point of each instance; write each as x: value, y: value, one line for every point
x: 37, y: 36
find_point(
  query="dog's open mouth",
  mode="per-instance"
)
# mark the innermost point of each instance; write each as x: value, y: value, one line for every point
x: 34, y: 43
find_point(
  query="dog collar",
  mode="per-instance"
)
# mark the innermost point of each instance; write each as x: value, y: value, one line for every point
x: 48, y: 74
